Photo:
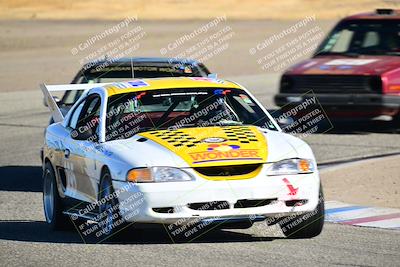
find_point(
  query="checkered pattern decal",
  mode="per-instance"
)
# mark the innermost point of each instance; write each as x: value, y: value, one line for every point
x: 239, y: 145
x: 177, y: 138
x: 243, y: 134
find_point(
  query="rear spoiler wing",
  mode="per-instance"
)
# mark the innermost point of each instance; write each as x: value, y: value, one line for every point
x: 52, y: 104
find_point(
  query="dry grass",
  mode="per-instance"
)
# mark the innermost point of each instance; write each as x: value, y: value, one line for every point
x: 185, y: 9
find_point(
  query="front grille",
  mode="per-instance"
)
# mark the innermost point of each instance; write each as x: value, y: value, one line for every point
x: 252, y: 203
x: 331, y: 84
x: 164, y: 210
x: 214, y: 205
x: 227, y: 170
x: 297, y: 202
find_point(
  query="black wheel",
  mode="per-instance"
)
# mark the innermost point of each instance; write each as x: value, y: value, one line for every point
x: 307, y: 225
x: 396, y: 122
x: 111, y: 221
x: 52, y: 204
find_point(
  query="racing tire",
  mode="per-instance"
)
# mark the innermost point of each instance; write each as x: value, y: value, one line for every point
x: 396, y: 122
x: 52, y: 204
x: 111, y: 221
x: 307, y: 225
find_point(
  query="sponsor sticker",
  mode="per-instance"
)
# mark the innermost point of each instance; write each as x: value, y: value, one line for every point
x: 138, y: 83
x: 353, y: 62
x: 344, y: 67
x: 224, y: 152
x: 213, y: 140
x: 222, y: 147
x: 291, y: 188
x: 221, y: 92
x: 205, y: 79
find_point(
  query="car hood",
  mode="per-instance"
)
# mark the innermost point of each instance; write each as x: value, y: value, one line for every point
x: 363, y: 65
x: 204, y: 147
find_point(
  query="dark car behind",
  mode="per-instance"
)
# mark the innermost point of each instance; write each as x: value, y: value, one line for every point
x: 123, y: 69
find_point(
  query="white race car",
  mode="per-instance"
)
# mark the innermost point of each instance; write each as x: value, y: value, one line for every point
x: 172, y: 151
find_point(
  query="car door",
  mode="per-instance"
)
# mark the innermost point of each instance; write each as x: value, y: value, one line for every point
x: 80, y: 153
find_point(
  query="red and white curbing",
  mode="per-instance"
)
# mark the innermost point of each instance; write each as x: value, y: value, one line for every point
x: 339, y: 212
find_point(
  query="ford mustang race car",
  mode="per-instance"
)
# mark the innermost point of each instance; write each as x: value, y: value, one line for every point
x: 355, y: 72
x: 170, y: 151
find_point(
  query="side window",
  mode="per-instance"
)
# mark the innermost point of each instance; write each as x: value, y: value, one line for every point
x: 370, y: 39
x: 70, y: 97
x: 74, y: 118
x: 90, y: 110
x: 343, y: 41
x: 87, y: 113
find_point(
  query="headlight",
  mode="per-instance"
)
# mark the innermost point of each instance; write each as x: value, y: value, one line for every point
x: 291, y: 166
x: 158, y: 174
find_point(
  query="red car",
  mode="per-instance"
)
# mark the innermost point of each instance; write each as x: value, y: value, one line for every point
x: 355, y: 72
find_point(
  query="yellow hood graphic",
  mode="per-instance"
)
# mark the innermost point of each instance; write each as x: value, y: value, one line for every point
x: 214, y: 146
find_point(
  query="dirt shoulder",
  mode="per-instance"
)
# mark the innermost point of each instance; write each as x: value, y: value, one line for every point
x: 173, y: 9
x: 371, y: 182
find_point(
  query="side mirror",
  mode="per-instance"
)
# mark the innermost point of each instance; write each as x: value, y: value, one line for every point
x: 83, y: 135
x: 56, y: 99
x: 285, y: 123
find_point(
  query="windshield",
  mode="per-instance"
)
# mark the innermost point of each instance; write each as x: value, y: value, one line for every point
x: 363, y: 37
x: 105, y: 74
x: 128, y: 114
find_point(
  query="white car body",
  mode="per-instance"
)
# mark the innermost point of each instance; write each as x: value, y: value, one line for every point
x: 83, y: 162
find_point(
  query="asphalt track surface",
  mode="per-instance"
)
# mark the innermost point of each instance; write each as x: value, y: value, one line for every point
x: 25, y: 239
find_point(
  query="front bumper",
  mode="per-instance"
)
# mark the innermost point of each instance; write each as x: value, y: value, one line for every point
x: 347, y: 105
x: 169, y: 203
